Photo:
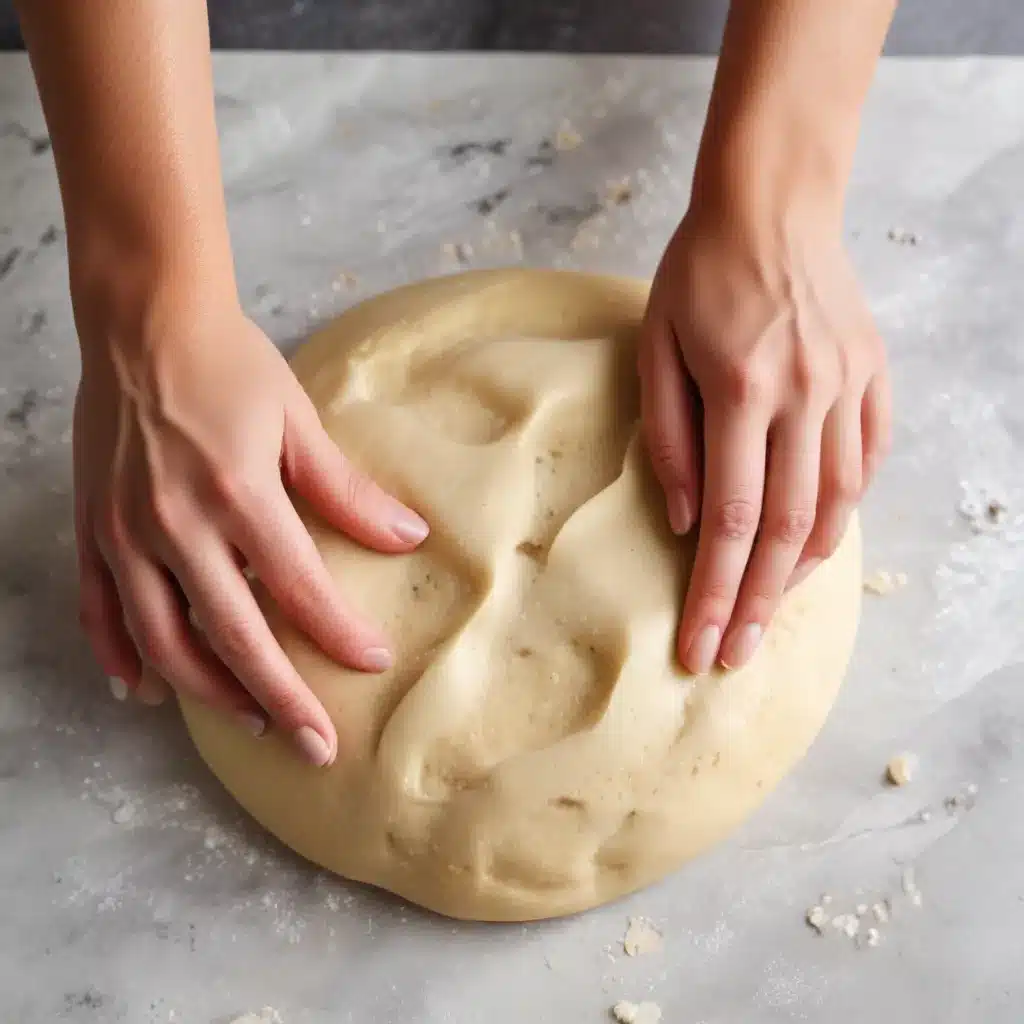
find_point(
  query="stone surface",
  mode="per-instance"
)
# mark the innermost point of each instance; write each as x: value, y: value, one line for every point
x: 367, y: 167
x: 927, y: 27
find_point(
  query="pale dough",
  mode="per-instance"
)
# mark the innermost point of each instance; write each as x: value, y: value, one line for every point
x: 536, y: 751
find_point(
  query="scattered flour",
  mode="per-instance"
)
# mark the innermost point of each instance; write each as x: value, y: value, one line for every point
x: 268, y: 1015
x: 641, y: 938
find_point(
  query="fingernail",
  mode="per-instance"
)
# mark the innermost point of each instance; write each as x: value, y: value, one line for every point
x: 410, y: 529
x: 313, y: 745
x: 741, y: 646
x: 151, y: 691
x: 803, y: 572
x: 119, y: 688
x: 377, y: 659
x: 680, y: 518
x: 252, y: 723
x: 704, y: 650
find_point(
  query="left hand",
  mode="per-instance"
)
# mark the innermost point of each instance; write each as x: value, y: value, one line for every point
x: 766, y: 408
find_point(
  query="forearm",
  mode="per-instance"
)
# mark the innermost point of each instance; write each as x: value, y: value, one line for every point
x: 128, y: 97
x: 785, y: 109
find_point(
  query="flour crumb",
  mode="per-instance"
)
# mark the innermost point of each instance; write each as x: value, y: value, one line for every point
x: 123, y: 813
x: 881, y: 911
x: 268, y: 1015
x: 901, y: 769
x: 636, y: 1013
x: 848, y: 924
x: 567, y: 138
x: 909, y: 883
x: 883, y: 582
x: 817, y: 919
x: 641, y: 938
x: 872, y: 937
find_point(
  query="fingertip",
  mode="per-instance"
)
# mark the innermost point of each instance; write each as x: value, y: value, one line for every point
x: 680, y: 512
x: 376, y: 659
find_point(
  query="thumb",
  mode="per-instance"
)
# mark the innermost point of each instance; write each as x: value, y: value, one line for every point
x: 346, y: 497
x: 669, y: 422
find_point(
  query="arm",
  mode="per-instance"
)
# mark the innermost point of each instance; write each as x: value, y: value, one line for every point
x: 179, y: 479
x: 785, y: 109
x: 128, y: 97
x: 756, y: 309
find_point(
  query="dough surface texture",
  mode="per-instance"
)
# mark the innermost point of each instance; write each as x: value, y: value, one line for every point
x: 535, y: 751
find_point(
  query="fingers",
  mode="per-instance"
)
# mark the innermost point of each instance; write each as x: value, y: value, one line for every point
x: 279, y: 549
x: 345, y: 497
x: 791, y: 494
x: 735, y: 439
x: 669, y: 422
x: 167, y: 646
x: 102, y: 620
x: 236, y: 631
x: 876, y: 425
x: 842, y: 475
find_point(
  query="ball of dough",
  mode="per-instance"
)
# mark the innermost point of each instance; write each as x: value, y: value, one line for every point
x: 536, y: 750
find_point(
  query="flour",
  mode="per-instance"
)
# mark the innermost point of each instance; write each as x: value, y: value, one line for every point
x: 641, y: 938
x: 268, y: 1015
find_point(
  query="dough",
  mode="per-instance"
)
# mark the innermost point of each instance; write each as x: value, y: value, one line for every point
x: 536, y: 750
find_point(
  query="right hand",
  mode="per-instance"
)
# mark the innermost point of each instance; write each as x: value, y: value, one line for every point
x: 186, y: 435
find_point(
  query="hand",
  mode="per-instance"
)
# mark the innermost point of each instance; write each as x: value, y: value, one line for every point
x: 765, y: 403
x: 184, y: 445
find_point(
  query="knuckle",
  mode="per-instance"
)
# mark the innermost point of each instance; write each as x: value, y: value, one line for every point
x: 793, y: 526
x: 734, y: 520
x: 299, y: 588
x: 666, y: 457
x: 742, y: 383
x: 357, y: 488
x: 235, y: 639
x: 234, y: 486
x: 842, y: 489
x: 155, y: 646
x: 167, y: 510
x: 283, y: 703
x: 110, y: 526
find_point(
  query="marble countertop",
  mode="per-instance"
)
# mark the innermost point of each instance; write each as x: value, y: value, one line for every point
x: 131, y: 889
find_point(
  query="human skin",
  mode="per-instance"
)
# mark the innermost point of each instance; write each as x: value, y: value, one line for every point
x: 182, y: 483
x: 765, y: 393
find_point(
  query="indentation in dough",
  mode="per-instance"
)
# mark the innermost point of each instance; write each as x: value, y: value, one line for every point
x: 436, y: 602
x: 455, y: 396
x: 569, y: 803
x: 528, y: 873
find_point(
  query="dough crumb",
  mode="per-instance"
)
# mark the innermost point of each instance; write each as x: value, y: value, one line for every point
x: 900, y: 769
x: 123, y: 813
x: 881, y: 911
x: 268, y: 1015
x: 641, y: 938
x: 883, y: 582
x: 567, y: 138
x: 636, y: 1013
x: 848, y: 924
x: 872, y: 937
x: 817, y: 919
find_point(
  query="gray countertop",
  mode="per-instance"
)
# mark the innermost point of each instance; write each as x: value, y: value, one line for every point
x: 131, y: 889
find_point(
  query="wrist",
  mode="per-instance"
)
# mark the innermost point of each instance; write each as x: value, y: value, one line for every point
x: 773, y: 171
x: 131, y: 296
